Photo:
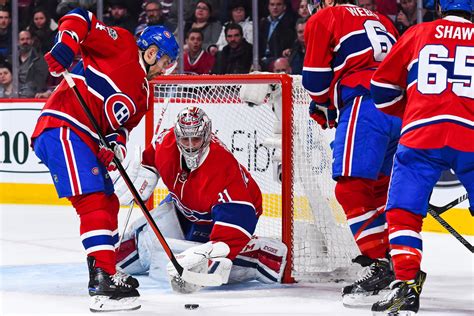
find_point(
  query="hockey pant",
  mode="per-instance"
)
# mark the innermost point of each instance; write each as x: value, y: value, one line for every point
x: 261, y: 259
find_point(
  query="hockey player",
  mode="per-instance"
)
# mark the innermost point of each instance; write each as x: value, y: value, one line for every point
x: 428, y: 80
x: 211, y: 211
x: 112, y: 77
x: 345, y: 44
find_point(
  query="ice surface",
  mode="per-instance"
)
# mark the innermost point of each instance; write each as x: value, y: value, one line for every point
x: 43, y: 272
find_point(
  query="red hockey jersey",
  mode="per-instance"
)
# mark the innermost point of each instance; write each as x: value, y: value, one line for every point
x: 428, y: 80
x: 220, y: 196
x: 344, y: 44
x: 110, y: 78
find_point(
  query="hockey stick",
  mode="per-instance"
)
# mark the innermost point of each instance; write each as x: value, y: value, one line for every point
x: 186, y: 275
x: 132, y: 204
x: 435, y: 211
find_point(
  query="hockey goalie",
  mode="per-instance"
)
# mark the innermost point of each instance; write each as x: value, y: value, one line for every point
x: 209, y: 216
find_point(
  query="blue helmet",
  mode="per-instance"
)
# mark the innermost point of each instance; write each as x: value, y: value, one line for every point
x: 160, y: 36
x: 457, y: 5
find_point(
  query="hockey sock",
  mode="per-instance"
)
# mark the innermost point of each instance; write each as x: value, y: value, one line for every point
x: 366, y: 220
x: 98, y: 228
x: 406, y: 244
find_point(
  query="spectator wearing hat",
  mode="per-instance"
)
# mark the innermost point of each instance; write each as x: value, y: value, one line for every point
x: 236, y: 57
x: 119, y: 16
x: 203, y: 20
x: 238, y: 14
x: 196, y: 60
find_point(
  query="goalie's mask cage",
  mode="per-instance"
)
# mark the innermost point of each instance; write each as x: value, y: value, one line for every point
x: 193, y: 130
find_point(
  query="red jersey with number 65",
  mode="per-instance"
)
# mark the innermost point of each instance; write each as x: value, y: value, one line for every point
x: 428, y: 80
x: 344, y: 45
x: 218, y: 201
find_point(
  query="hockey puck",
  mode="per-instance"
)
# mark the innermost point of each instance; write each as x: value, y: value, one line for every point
x: 191, y: 306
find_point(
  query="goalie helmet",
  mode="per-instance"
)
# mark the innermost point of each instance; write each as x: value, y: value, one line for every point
x: 193, y: 129
x: 163, y: 39
x: 457, y: 5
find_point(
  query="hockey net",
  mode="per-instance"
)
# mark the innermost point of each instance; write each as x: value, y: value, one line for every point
x: 301, y: 209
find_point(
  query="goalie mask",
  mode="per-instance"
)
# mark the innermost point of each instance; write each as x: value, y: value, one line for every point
x: 193, y: 130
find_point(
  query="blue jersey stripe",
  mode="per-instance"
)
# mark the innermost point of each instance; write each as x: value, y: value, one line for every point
x: 382, y: 95
x: 237, y: 214
x: 99, y: 84
x: 84, y: 14
x: 317, y: 81
x: 97, y: 241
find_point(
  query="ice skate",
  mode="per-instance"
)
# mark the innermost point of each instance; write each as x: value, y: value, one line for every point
x: 111, y: 292
x: 371, y: 286
x: 404, y: 298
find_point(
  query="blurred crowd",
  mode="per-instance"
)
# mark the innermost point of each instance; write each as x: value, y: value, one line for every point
x: 218, y: 34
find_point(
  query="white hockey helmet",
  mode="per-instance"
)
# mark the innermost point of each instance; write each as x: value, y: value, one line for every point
x: 193, y: 129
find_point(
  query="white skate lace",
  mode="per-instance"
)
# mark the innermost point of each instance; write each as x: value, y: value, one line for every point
x: 119, y: 278
x: 365, y: 273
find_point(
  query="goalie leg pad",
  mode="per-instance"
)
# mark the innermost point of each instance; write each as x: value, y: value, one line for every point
x: 262, y: 258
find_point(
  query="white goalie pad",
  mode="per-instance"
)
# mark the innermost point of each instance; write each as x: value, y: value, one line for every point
x: 262, y: 259
x: 258, y: 94
x: 208, y: 258
x: 143, y: 179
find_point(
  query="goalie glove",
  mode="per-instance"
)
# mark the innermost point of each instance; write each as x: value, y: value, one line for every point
x: 207, y: 258
x: 324, y: 114
x: 144, y: 180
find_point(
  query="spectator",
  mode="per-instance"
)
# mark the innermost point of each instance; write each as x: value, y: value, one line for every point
x: 120, y: 17
x: 154, y: 16
x: 40, y: 29
x: 203, y: 20
x: 189, y: 10
x: 303, y: 11
x: 236, y: 57
x: 296, y: 53
x: 368, y: 4
x: 407, y: 16
x: 5, y: 33
x: 195, y: 59
x: 33, y: 70
x: 282, y: 65
x: 387, y: 7
x: 277, y: 33
x: 238, y: 12
x: 166, y: 7
x: 6, y: 81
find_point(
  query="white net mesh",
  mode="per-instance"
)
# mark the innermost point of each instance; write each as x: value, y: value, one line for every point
x: 321, y: 240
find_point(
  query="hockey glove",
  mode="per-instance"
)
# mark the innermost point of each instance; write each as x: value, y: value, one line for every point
x: 106, y: 155
x: 324, y: 114
x: 61, y: 56
x: 206, y: 258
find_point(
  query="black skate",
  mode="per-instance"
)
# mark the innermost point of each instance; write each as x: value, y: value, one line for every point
x: 371, y: 286
x: 111, y: 292
x: 404, y: 298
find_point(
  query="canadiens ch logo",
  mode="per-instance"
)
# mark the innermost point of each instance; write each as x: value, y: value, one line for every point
x: 167, y: 34
x: 118, y: 109
x: 112, y: 33
x: 95, y: 171
x: 183, y: 176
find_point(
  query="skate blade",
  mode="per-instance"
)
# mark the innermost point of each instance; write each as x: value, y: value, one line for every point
x: 362, y: 299
x: 399, y: 313
x: 100, y: 303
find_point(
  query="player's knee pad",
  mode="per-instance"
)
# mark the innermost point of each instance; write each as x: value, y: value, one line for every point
x: 353, y: 193
x: 405, y: 242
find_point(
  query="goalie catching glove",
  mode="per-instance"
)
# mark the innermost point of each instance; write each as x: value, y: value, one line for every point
x: 324, y: 114
x: 208, y: 258
x: 144, y: 180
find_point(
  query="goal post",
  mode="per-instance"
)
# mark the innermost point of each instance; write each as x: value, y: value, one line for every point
x: 289, y: 159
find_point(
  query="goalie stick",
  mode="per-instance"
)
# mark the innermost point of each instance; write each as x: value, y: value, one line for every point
x: 436, y: 211
x: 186, y: 275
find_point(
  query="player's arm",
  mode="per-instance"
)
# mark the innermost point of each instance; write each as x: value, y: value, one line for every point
x: 72, y: 30
x: 317, y: 70
x: 389, y: 82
